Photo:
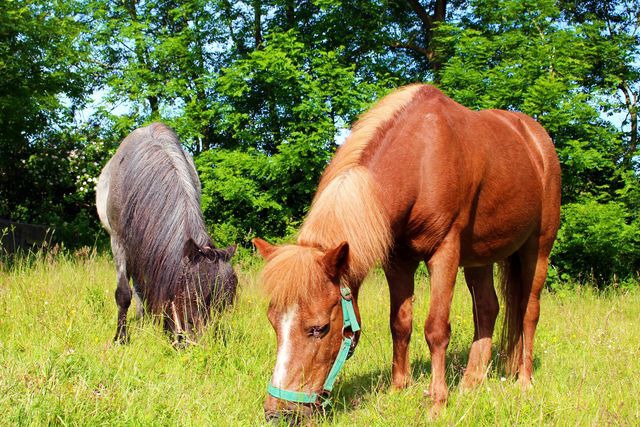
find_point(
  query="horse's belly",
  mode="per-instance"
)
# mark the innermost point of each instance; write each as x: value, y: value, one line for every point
x: 493, y: 233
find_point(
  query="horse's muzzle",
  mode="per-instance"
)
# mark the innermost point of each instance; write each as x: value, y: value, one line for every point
x: 288, y: 414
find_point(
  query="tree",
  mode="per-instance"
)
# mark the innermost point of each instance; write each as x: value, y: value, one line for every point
x: 43, y: 80
x: 282, y: 107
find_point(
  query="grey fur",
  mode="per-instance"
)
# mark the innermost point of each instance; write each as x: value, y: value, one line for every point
x: 148, y: 198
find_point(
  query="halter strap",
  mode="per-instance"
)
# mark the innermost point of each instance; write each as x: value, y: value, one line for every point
x: 349, y: 322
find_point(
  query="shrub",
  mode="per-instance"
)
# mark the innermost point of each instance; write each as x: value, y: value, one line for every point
x: 597, y: 242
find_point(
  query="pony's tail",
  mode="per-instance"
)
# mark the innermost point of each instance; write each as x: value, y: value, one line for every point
x: 513, y: 294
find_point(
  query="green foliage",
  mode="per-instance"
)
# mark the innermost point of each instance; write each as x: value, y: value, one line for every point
x: 597, y: 243
x: 43, y: 79
x: 282, y: 107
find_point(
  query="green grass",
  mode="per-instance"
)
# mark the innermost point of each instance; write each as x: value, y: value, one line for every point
x: 58, y: 366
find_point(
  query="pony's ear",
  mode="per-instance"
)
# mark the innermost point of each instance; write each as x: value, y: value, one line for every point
x: 334, y: 261
x: 228, y: 252
x: 215, y: 254
x: 266, y: 249
x: 192, y: 250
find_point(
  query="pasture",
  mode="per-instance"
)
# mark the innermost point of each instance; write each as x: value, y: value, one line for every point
x: 59, y: 366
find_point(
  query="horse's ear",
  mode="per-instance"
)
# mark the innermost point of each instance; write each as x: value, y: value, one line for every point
x: 229, y: 252
x: 191, y: 250
x: 335, y: 261
x: 215, y: 254
x: 265, y: 248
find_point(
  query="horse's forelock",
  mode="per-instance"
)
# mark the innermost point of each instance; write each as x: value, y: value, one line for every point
x: 291, y: 275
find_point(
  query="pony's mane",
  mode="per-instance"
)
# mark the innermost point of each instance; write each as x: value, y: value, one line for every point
x: 369, y: 128
x: 160, y: 210
x: 349, y: 210
x: 346, y: 207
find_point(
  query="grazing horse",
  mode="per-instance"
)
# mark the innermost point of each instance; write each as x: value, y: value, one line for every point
x: 148, y: 199
x: 420, y: 178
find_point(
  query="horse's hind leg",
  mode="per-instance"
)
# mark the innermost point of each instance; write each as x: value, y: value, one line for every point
x: 138, y: 300
x: 123, y: 290
x: 535, y: 259
x: 485, y: 311
x: 400, y: 279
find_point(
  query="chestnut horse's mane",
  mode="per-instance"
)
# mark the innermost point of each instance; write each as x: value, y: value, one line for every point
x: 346, y: 207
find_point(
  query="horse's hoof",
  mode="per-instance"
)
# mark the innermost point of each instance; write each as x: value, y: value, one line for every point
x: 525, y: 384
x: 436, y: 409
x: 470, y: 383
x: 122, y: 340
x: 400, y: 385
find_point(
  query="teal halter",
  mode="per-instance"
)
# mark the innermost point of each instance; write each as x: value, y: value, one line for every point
x: 349, y: 322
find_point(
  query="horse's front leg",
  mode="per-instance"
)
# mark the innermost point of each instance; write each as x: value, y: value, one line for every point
x: 399, y: 275
x: 443, y: 267
x: 123, y: 291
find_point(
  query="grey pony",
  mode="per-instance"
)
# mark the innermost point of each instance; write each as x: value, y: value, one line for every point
x: 148, y: 199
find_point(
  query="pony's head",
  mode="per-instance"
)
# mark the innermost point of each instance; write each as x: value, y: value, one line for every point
x: 207, y: 282
x: 305, y: 310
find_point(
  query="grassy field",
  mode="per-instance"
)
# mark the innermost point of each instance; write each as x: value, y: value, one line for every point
x: 58, y: 366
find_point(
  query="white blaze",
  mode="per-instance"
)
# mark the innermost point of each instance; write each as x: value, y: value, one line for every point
x: 284, y: 352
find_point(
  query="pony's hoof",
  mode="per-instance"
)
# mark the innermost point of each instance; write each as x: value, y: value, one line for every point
x: 121, y: 340
x: 470, y: 383
x: 526, y: 384
x: 400, y: 385
x: 436, y: 409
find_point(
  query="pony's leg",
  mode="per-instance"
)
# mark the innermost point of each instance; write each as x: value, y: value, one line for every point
x: 535, y: 260
x: 443, y: 267
x: 485, y: 311
x: 138, y: 299
x: 400, y: 279
x: 123, y: 290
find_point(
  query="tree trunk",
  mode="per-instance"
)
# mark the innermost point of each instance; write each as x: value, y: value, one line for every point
x: 631, y: 103
x: 257, y: 23
x: 142, y: 55
x: 290, y: 13
x: 428, y: 23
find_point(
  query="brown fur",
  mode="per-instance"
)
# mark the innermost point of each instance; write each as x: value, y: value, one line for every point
x: 423, y: 178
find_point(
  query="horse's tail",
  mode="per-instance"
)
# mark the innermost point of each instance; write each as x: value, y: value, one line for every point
x: 514, y: 295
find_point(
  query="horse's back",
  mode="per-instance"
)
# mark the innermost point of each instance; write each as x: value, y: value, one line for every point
x: 145, y: 154
x: 484, y: 175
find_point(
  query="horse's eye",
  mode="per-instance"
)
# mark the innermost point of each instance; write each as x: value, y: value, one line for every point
x: 318, y: 331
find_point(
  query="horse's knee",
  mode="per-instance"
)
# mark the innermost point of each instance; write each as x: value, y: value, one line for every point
x: 437, y: 334
x: 401, y: 323
x: 490, y: 310
x: 123, y: 297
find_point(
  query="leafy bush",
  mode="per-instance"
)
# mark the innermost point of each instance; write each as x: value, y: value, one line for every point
x: 597, y: 242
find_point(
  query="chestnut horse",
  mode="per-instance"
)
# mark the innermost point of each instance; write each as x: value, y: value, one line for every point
x: 420, y: 178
